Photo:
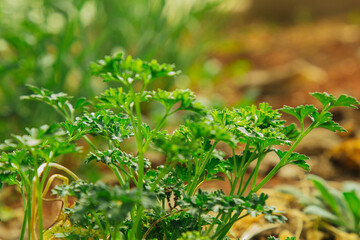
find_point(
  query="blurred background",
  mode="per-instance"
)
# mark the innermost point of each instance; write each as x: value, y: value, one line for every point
x: 231, y: 53
x: 237, y: 52
x: 51, y: 44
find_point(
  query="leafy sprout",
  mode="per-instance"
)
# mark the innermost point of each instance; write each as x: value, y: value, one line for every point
x: 147, y: 202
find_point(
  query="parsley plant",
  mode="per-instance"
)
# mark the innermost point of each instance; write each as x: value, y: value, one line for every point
x: 166, y: 202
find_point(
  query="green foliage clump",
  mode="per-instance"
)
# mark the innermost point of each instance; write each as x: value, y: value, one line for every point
x: 337, y: 207
x: 166, y: 202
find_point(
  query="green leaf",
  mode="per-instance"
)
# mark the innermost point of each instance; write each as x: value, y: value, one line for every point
x: 329, y: 101
x: 254, y: 205
x: 119, y: 98
x: 299, y: 112
x: 302, y: 164
x: 59, y: 101
x: 350, y: 186
x: 295, y: 159
x: 293, y: 156
x: 81, y: 103
x: 346, y: 101
x: 332, y: 126
x: 319, y: 211
x: 216, y: 164
x: 44, y: 137
x: 206, y: 127
x: 291, y: 132
x: 325, y: 121
x: 117, y: 158
x: 353, y: 203
x: 325, y: 98
x: 180, y: 146
x: 127, y: 70
x: 8, y: 177
x: 111, y: 205
x: 326, y: 194
x: 184, y: 97
x: 116, y: 127
x: 298, y: 194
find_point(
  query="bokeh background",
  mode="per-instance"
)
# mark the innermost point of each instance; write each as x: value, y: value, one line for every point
x: 231, y: 53
x: 234, y: 51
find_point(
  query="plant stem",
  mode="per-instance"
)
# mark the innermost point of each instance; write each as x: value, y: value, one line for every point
x: 97, y: 220
x: 23, y: 227
x: 260, y: 158
x: 225, y: 228
x: 199, y: 170
x: 135, y: 230
x: 247, y: 183
x: 239, y: 172
x: 27, y: 201
x: 28, y: 208
x: 158, y: 127
x: 115, y: 170
x: 284, y: 159
x: 39, y: 209
x: 242, y: 174
x: 212, y: 224
x: 89, y: 142
x: 233, y: 183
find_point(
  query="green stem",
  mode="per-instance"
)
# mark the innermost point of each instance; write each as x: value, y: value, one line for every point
x: 158, y: 127
x: 39, y: 210
x: 36, y: 203
x: 115, y: 170
x: 89, y: 142
x: 247, y: 183
x: 26, y: 206
x: 242, y: 174
x: 260, y: 158
x: 27, y: 203
x: 115, y: 232
x: 212, y: 224
x: 282, y: 162
x: 239, y: 171
x: 233, y: 183
x: 40, y: 192
x: 140, y: 147
x: 135, y: 230
x: 97, y: 220
x: 220, y: 234
x: 23, y: 177
x: 199, y: 170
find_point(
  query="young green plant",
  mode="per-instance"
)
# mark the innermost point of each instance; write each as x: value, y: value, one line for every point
x: 149, y: 201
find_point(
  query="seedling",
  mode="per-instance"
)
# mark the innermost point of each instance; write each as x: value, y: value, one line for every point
x: 148, y: 202
x: 337, y: 207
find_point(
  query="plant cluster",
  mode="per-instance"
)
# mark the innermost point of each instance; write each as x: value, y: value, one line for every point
x: 337, y: 207
x: 147, y: 202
